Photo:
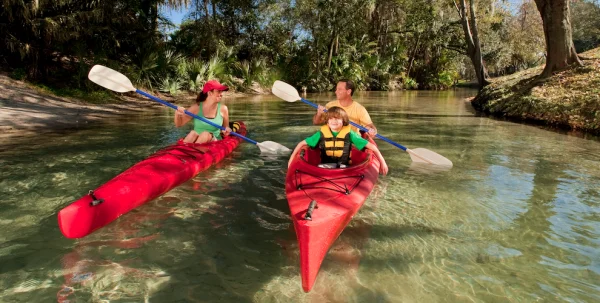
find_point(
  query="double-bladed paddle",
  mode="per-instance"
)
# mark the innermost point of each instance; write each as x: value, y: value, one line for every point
x: 421, y: 155
x: 115, y: 81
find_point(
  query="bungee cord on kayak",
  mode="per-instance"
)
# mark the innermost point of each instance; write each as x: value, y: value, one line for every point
x: 336, y: 187
x: 319, y: 180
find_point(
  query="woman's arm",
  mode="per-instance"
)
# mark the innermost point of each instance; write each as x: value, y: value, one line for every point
x: 383, y: 169
x: 296, y: 150
x: 225, y: 114
x: 181, y: 118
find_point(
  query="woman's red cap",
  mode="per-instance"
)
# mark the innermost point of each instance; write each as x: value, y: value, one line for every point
x: 212, y: 85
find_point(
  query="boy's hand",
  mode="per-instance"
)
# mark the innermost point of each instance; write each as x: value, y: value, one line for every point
x: 383, y: 169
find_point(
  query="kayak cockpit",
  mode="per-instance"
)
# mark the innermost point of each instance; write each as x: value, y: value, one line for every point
x: 312, y: 156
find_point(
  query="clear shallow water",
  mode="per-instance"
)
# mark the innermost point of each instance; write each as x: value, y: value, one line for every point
x: 516, y: 219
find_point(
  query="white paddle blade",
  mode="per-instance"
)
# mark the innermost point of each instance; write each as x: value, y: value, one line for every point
x: 428, y: 169
x: 422, y: 155
x: 272, y: 148
x: 285, y: 91
x: 111, y: 79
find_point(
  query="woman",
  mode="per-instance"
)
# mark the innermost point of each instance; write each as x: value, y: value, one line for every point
x: 208, y: 105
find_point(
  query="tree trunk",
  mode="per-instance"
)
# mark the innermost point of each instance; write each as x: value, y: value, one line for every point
x: 560, y: 51
x: 414, y: 54
x: 150, y: 10
x: 214, y: 12
x: 210, y: 49
x: 469, y: 24
x: 331, y: 47
x: 206, y: 9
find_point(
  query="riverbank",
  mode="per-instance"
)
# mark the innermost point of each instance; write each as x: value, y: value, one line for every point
x: 27, y: 110
x: 568, y: 100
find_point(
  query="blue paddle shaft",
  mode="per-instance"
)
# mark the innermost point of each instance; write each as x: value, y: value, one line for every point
x: 361, y: 128
x: 193, y: 115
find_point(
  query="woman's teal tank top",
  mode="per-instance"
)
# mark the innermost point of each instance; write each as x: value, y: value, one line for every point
x: 200, y: 126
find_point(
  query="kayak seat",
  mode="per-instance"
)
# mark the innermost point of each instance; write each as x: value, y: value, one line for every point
x: 235, y: 126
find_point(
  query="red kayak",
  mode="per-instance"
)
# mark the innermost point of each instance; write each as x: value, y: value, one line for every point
x: 323, y: 201
x: 146, y: 180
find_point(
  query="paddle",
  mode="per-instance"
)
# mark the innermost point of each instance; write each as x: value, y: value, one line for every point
x: 422, y: 155
x: 115, y: 81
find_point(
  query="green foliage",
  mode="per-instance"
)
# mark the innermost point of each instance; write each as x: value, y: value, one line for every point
x: 409, y: 83
x: 242, y: 70
x: 380, y: 44
x: 585, y: 18
x: 171, y: 86
x: 18, y: 74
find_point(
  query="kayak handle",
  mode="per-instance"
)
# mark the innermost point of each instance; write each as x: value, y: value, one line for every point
x: 95, y: 201
x: 311, y: 207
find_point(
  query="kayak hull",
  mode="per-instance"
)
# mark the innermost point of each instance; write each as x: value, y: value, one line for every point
x: 339, y: 194
x: 144, y: 181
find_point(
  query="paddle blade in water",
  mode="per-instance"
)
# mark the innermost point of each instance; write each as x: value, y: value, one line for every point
x: 422, y: 155
x: 427, y: 168
x: 272, y: 147
x: 111, y: 79
x: 285, y: 91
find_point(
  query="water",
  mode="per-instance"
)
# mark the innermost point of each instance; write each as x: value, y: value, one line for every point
x: 516, y: 219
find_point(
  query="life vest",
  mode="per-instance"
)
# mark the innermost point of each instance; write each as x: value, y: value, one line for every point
x: 335, y: 149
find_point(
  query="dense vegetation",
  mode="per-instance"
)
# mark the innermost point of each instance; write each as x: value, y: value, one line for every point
x: 382, y: 44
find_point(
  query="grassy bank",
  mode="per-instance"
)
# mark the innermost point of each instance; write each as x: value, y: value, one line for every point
x: 567, y: 100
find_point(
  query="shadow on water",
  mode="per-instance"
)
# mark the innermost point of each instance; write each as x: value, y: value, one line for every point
x: 229, y: 249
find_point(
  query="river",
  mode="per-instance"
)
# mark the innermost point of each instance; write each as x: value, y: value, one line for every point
x: 516, y: 219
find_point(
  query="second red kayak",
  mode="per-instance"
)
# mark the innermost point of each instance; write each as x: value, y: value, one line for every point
x: 146, y: 180
x: 322, y: 202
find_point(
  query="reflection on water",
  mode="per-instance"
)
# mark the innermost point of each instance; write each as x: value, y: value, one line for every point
x: 516, y: 219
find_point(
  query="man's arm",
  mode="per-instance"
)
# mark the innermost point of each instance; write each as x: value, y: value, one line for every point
x: 368, y: 123
x: 319, y: 117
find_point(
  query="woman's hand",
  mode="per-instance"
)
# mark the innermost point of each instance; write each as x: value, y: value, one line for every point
x: 226, y: 132
x: 180, y: 111
x: 180, y: 116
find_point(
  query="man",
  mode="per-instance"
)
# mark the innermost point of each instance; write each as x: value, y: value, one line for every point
x: 357, y: 113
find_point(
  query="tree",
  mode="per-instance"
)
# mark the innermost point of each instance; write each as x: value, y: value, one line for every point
x: 586, y: 24
x: 469, y: 24
x: 525, y: 38
x: 560, y: 51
